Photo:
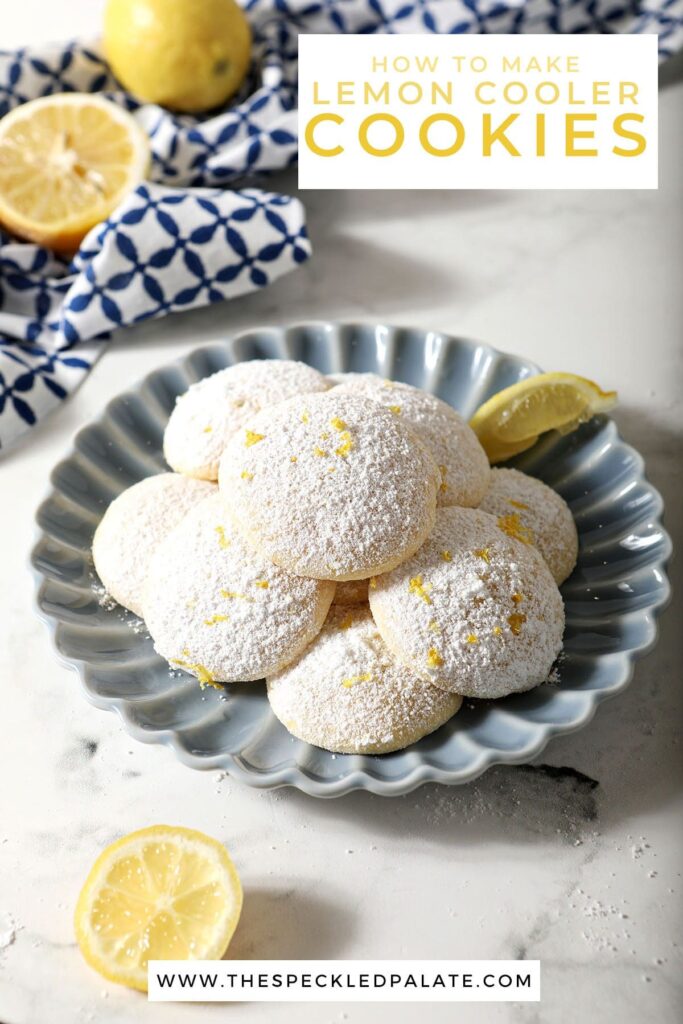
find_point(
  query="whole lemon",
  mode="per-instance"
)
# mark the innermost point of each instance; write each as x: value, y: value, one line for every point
x: 187, y: 55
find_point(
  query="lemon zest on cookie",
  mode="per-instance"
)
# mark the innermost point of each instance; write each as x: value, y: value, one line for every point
x: 447, y: 556
x: 396, y: 409
x: 352, y: 680
x: 261, y: 584
x: 304, y: 417
x: 434, y: 626
x: 444, y: 473
x: 229, y: 594
x: 292, y: 458
x: 434, y: 659
x: 253, y: 438
x: 338, y: 424
x: 472, y: 638
x: 513, y: 526
x: 203, y: 674
x: 497, y: 631
x: 222, y: 539
x: 207, y: 430
x: 517, y: 598
x: 215, y: 619
x: 416, y: 587
x: 347, y: 444
x: 484, y: 554
x: 516, y: 621
x: 246, y: 475
x: 518, y: 504
x: 319, y: 452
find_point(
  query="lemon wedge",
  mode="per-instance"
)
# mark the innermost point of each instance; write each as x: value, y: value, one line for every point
x: 66, y: 161
x: 163, y: 893
x: 513, y: 419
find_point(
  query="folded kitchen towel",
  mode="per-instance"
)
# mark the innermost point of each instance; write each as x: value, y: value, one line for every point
x: 185, y: 239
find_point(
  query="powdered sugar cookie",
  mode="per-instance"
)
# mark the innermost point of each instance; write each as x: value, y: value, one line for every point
x: 475, y: 611
x: 533, y: 510
x: 330, y: 486
x: 346, y: 693
x: 214, y: 408
x: 221, y: 611
x: 456, y: 449
x: 350, y: 593
x: 134, y: 525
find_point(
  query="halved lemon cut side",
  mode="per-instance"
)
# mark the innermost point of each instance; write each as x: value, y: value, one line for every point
x: 163, y: 893
x: 67, y: 161
x: 514, y: 419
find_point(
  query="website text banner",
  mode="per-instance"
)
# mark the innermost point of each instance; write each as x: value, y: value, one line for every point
x: 359, y: 981
x: 507, y: 111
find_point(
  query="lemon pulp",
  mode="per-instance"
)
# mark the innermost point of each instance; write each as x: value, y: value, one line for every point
x: 66, y: 161
x: 163, y: 893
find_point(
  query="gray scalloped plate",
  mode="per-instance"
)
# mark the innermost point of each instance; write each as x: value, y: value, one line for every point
x: 612, y: 598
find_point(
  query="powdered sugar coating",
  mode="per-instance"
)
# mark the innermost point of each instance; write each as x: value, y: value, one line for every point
x: 221, y: 611
x: 346, y: 693
x: 133, y: 527
x: 350, y: 593
x: 464, y: 467
x: 330, y: 486
x: 475, y: 610
x: 544, y: 517
x: 213, y: 409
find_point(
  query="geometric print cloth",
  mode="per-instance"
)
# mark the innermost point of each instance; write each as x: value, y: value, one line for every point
x: 193, y: 234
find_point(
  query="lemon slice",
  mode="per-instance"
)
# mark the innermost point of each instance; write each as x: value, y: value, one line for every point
x: 163, y: 893
x: 512, y: 420
x: 66, y: 161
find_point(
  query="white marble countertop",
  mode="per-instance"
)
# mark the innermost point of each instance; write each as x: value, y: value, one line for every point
x: 578, y: 867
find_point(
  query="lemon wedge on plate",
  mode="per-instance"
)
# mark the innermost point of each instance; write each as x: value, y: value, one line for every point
x: 163, y: 893
x: 66, y: 161
x: 514, y: 418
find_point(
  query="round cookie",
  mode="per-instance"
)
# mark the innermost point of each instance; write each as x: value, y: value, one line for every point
x: 134, y: 525
x: 330, y: 486
x: 215, y: 408
x: 456, y: 449
x: 351, y: 592
x: 539, y: 513
x: 475, y: 611
x: 221, y: 611
x: 347, y: 694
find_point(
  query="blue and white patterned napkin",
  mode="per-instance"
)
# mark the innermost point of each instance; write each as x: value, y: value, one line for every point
x: 184, y: 239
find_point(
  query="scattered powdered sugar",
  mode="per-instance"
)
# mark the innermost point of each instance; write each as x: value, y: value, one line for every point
x: 133, y: 527
x: 104, y: 598
x: 221, y: 611
x: 213, y: 409
x: 455, y: 447
x: 330, y: 486
x: 542, y: 517
x: 479, y: 642
x: 346, y: 693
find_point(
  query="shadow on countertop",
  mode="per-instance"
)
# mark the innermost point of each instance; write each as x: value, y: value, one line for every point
x: 287, y: 924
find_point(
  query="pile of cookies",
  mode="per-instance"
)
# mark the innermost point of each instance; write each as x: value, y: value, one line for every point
x: 346, y: 539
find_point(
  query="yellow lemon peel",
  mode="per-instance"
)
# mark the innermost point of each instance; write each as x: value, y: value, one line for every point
x: 352, y: 680
x: 253, y: 438
x: 416, y: 587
